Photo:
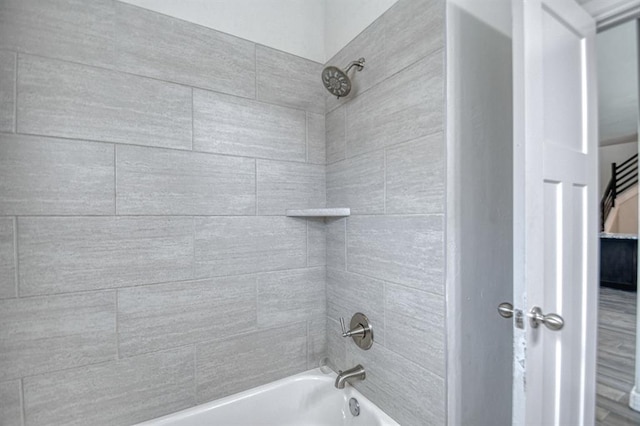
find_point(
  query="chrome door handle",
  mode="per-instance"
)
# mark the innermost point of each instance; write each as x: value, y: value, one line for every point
x: 551, y: 321
x: 505, y: 309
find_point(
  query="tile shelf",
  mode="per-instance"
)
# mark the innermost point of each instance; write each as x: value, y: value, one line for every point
x: 331, y: 212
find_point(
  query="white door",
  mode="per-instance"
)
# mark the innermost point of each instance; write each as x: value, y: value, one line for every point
x: 555, y: 212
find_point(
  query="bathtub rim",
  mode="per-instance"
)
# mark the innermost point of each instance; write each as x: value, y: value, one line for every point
x: 314, y: 374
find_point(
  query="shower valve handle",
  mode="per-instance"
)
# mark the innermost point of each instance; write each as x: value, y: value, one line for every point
x: 358, y: 330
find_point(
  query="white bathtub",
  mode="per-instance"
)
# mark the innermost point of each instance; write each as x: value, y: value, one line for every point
x: 306, y: 399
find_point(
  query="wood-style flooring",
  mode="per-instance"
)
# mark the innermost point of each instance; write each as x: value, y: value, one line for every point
x: 616, y: 358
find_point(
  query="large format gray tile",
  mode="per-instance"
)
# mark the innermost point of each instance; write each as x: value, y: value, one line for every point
x: 161, y: 316
x: 316, y: 342
x: 405, y: 106
x: 289, y: 80
x: 402, y: 249
x: 316, y: 144
x: 336, y: 135
x: 337, y: 244
x: 415, y: 176
x: 357, y: 183
x: 121, y: 392
x: 168, y: 182
x: 349, y: 293
x: 55, y: 177
x: 7, y: 258
x: 73, y: 30
x: 86, y: 253
x: 284, y: 185
x: 7, y: 90
x: 43, y: 334
x: 224, y: 367
x: 10, y: 408
x: 369, y: 44
x: 413, y: 29
x: 230, y: 125
x: 422, y: 342
x: 316, y: 242
x: 243, y: 245
x: 62, y: 99
x: 410, y: 394
x: 170, y: 49
x: 417, y: 304
x: 287, y: 297
x: 336, y: 346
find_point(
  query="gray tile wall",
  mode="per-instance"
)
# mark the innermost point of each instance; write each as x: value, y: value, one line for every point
x: 7, y: 258
x: 8, y: 63
x: 386, y: 160
x: 11, y: 409
x: 145, y: 257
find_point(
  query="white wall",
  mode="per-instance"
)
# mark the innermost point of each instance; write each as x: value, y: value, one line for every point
x: 312, y: 29
x: 618, y: 82
x: 480, y: 210
x: 293, y: 26
x: 612, y: 154
x: 494, y: 13
x: 345, y: 19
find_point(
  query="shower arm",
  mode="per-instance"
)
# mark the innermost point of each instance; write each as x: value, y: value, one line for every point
x: 359, y: 63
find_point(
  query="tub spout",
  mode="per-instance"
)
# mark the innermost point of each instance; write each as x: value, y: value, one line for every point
x: 356, y: 372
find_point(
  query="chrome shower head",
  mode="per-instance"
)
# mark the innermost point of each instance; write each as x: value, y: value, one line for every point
x: 336, y: 81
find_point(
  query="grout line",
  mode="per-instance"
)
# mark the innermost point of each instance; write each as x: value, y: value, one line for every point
x: 15, y: 94
x: 386, y: 281
x: 170, y: 82
x: 429, y: 369
x: 23, y: 410
x: 183, y: 281
x: 16, y: 256
x: 174, y: 150
x: 211, y: 216
x: 110, y: 361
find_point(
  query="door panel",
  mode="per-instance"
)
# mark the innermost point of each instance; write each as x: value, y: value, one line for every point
x: 563, y: 89
x: 555, y: 211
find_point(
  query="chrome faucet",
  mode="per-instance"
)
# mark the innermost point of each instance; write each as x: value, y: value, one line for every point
x: 356, y: 372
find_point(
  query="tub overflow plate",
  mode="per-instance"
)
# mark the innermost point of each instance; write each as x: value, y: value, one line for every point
x: 354, y: 407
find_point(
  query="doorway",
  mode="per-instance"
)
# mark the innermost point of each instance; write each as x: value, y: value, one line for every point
x: 479, y: 254
x: 617, y: 50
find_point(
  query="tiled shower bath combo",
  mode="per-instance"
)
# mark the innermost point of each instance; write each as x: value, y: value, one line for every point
x: 147, y: 264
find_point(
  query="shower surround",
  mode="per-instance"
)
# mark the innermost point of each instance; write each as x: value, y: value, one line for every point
x: 146, y: 164
x: 386, y: 161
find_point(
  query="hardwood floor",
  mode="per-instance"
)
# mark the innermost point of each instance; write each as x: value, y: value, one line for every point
x: 616, y: 358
